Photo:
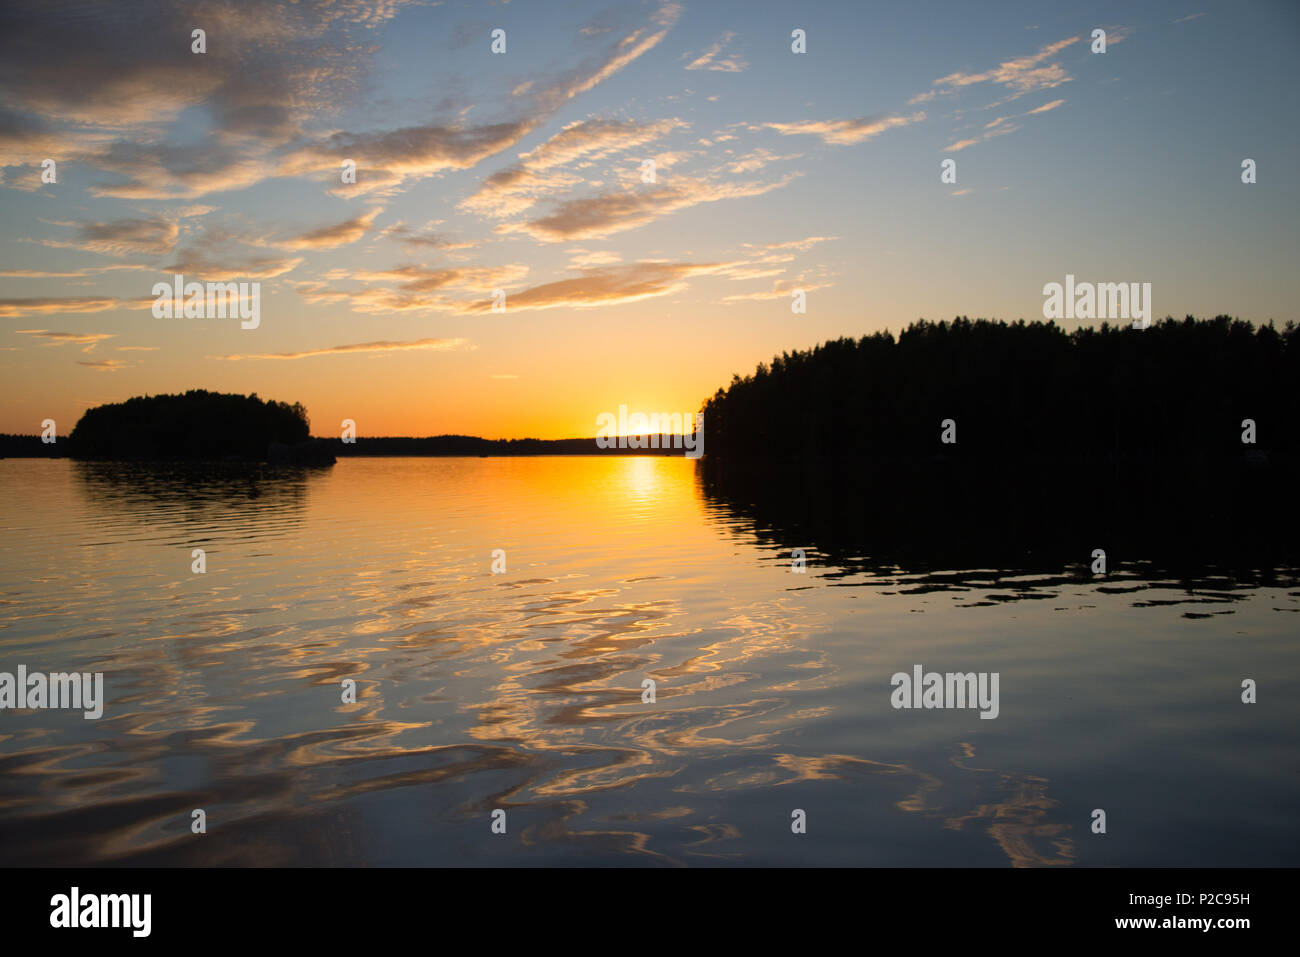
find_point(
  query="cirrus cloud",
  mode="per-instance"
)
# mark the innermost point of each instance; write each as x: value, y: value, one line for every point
x: 409, y: 345
x: 843, y: 132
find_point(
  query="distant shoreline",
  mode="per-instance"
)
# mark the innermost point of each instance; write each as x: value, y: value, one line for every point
x: 440, y: 446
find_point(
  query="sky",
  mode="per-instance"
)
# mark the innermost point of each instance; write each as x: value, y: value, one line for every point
x: 524, y: 172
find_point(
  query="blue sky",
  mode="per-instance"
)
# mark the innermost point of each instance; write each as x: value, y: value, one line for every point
x: 522, y: 172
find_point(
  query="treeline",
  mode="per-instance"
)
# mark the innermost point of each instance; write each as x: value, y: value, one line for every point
x: 473, y: 445
x: 1016, y: 390
x: 194, y: 426
x: 138, y: 446
x: 32, y: 447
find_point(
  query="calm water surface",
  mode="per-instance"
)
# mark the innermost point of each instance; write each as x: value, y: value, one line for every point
x: 523, y: 690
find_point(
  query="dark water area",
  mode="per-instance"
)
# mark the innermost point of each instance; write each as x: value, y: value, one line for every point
x: 944, y: 513
x: 522, y: 690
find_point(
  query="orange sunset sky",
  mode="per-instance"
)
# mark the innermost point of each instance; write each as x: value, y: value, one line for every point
x: 523, y: 171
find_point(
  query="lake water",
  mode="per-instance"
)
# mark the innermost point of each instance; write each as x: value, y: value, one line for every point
x: 522, y: 691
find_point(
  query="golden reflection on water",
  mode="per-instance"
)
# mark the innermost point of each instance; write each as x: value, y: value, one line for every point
x: 475, y: 691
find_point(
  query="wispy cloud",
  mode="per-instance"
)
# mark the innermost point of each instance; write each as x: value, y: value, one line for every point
x: 714, y: 58
x: 608, y: 285
x: 40, y: 274
x: 756, y: 159
x: 800, y: 244
x: 1000, y: 126
x: 219, y: 269
x: 138, y: 235
x: 1025, y: 74
x: 394, y: 156
x: 423, y: 345
x: 780, y: 289
x: 408, y: 236
x: 417, y: 279
x: 336, y: 234
x: 843, y: 132
x: 517, y: 187
x: 619, y: 210
x: 38, y: 305
x: 96, y: 89
x: 1018, y: 76
x: 584, y: 258
x: 86, y: 339
x: 413, y: 288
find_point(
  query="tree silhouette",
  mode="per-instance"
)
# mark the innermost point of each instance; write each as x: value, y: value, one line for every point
x: 197, y: 425
x: 1018, y: 390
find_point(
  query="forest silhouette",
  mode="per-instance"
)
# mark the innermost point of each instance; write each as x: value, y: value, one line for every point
x: 1018, y: 389
x: 1114, y: 438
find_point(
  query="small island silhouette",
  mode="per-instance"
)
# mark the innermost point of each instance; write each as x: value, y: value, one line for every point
x: 198, y: 426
